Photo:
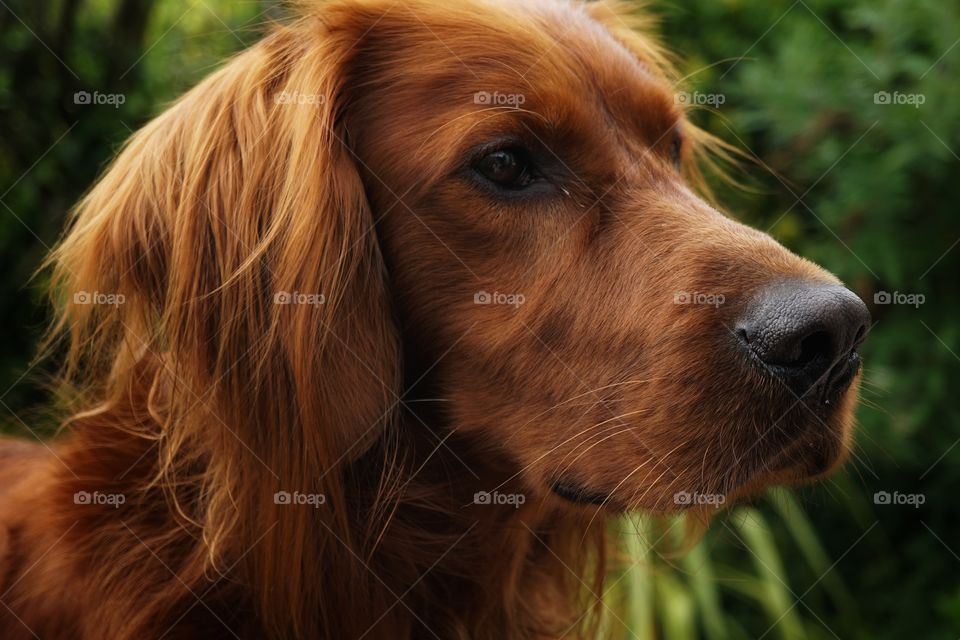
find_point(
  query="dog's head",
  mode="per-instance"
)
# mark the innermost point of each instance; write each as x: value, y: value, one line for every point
x: 496, y: 195
x: 570, y: 296
x: 482, y: 204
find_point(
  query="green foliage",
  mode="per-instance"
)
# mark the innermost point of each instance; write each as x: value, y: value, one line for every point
x: 734, y: 583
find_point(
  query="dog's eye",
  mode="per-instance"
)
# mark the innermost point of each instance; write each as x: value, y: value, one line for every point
x: 507, y: 168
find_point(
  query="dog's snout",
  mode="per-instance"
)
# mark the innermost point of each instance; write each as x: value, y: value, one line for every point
x: 807, y: 334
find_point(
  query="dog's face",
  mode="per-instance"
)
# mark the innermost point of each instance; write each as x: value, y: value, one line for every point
x: 619, y: 339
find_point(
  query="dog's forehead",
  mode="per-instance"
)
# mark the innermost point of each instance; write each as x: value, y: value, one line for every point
x: 558, y: 49
x: 624, y: 84
x: 559, y: 30
x: 534, y: 47
x: 566, y: 60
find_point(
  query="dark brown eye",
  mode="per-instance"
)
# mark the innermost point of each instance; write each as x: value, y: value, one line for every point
x: 506, y: 168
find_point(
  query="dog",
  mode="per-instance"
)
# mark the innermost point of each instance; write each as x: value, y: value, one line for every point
x: 368, y: 334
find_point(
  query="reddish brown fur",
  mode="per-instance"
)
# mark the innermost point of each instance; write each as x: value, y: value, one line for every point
x: 397, y: 398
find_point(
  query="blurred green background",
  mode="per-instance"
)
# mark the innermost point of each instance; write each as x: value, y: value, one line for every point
x: 851, y: 109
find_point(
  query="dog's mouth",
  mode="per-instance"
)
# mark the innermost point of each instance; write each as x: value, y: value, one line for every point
x: 573, y: 491
x: 788, y: 440
x: 807, y: 452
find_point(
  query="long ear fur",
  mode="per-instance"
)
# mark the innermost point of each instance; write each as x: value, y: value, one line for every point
x: 249, y: 308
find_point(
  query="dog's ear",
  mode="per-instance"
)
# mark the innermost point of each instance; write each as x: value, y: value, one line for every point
x: 232, y: 240
x: 231, y: 251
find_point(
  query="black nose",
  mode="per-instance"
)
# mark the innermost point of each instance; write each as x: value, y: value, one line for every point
x: 807, y: 334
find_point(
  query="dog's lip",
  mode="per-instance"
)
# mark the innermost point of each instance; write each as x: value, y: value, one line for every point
x: 816, y: 449
x: 841, y: 376
x: 577, y: 493
x: 807, y: 460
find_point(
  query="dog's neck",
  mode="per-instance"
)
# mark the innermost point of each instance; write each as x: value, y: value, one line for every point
x: 435, y: 559
x: 492, y: 562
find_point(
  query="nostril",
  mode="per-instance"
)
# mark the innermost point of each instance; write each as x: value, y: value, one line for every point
x: 817, y: 345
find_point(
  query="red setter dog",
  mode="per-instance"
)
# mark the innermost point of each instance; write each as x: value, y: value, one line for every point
x: 368, y: 332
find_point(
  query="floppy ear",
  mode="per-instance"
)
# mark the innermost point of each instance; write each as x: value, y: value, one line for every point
x: 234, y: 240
